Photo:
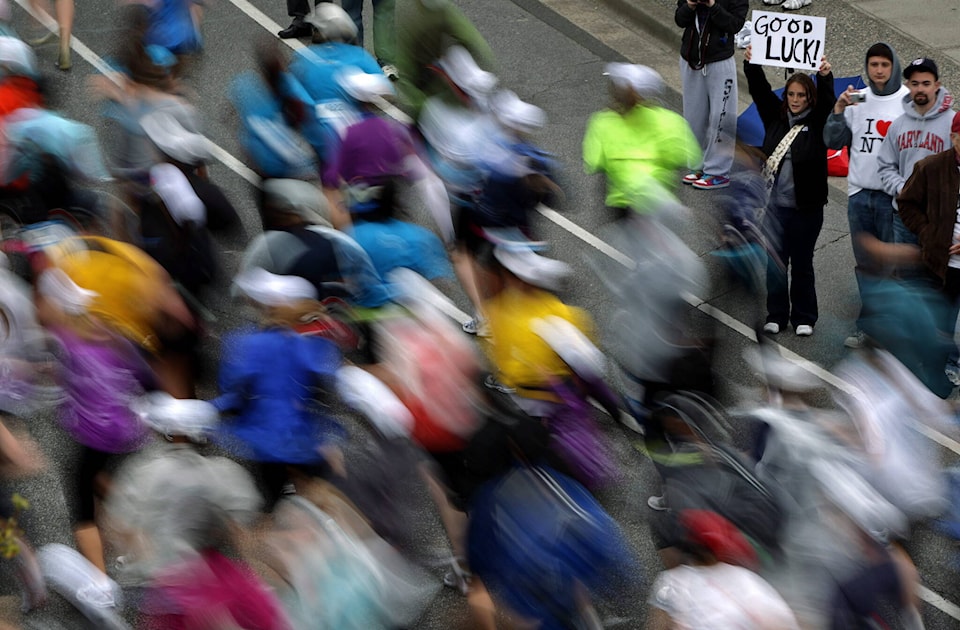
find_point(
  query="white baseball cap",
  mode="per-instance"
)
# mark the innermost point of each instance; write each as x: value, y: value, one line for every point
x: 645, y: 81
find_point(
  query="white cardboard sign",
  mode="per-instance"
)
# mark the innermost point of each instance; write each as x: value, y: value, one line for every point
x: 787, y: 40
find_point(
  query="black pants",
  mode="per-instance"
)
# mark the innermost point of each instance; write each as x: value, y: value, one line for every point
x: 92, y: 462
x: 793, y: 233
x: 300, y: 8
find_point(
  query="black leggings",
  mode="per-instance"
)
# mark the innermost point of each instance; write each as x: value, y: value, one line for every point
x: 92, y: 463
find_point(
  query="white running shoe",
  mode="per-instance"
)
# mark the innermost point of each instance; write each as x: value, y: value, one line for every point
x: 856, y: 340
x: 83, y: 585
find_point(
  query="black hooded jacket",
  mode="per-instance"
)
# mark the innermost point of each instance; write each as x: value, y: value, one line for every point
x: 713, y: 40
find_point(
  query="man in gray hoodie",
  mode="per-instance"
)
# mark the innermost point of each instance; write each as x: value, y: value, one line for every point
x: 922, y: 130
x: 860, y: 120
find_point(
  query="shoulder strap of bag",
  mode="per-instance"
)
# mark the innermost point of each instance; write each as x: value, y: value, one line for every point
x: 772, y: 165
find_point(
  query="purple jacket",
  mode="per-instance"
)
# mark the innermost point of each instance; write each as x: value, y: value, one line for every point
x: 100, y: 380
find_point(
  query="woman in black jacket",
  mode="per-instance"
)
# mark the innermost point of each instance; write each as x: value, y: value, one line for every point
x: 794, y: 213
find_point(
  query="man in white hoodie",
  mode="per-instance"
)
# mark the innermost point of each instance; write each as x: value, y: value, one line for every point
x: 922, y: 130
x: 860, y: 120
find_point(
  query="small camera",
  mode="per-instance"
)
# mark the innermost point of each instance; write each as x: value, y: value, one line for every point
x: 858, y: 97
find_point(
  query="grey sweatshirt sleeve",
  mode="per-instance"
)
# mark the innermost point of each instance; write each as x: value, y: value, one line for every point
x: 836, y: 132
x: 888, y: 165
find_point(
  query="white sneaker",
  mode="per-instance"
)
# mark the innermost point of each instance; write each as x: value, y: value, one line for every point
x: 772, y: 2
x: 476, y: 326
x: 952, y: 371
x: 791, y: 5
x: 771, y: 327
x: 804, y: 330
x: 856, y: 340
x: 691, y: 177
x: 83, y: 585
x: 391, y: 71
x: 657, y: 503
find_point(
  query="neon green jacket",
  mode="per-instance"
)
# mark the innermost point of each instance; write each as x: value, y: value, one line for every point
x: 648, y: 141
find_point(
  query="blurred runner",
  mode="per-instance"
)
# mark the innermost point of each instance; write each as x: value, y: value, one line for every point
x: 270, y: 379
x: 636, y: 140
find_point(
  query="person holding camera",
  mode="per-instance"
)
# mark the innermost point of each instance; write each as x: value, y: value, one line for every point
x: 709, y: 75
x: 859, y: 121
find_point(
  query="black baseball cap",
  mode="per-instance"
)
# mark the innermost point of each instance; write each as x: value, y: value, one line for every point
x: 923, y: 64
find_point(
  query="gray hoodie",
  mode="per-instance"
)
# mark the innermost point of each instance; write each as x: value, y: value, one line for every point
x: 912, y: 137
x: 862, y: 127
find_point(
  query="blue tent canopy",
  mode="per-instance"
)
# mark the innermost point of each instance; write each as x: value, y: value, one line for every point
x: 750, y: 128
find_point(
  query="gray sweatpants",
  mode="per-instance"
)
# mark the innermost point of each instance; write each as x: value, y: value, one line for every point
x: 710, y: 108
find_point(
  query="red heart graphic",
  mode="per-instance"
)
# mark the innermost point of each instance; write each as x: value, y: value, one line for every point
x: 882, y: 127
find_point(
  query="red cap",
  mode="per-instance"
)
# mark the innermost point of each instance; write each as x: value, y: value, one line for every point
x: 713, y: 532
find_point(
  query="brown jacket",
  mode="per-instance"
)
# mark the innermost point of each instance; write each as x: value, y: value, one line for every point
x: 928, y: 207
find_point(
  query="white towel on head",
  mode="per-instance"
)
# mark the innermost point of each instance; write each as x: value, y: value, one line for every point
x: 177, y: 194
x: 67, y: 295
x: 271, y: 289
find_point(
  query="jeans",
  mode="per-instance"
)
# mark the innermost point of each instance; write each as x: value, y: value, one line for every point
x: 384, y: 30
x: 901, y: 233
x: 869, y: 212
x: 793, y: 235
x: 910, y: 319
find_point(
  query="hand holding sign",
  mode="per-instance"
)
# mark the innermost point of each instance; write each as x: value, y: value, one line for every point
x: 825, y: 66
x: 789, y: 41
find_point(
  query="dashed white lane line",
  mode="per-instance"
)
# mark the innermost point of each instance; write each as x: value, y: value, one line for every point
x: 238, y: 167
x: 95, y: 60
x: 938, y: 601
x: 587, y: 237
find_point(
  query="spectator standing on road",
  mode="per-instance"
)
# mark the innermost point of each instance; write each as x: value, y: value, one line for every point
x: 709, y: 74
x: 636, y: 139
x: 298, y: 10
x: 797, y: 165
x: 929, y: 208
x: 384, y: 31
x: 861, y: 126
x: 923, y: 129
x: 64, y: 10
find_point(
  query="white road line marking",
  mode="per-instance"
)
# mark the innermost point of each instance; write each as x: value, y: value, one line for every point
x: 95, y: 60
x: 238, y: 167
x: 941, y: 439
x: 586, y: 236
x: 938, y: 601
x: 263, y: 20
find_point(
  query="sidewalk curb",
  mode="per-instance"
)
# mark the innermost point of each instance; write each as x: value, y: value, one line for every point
x: 664, y: 30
